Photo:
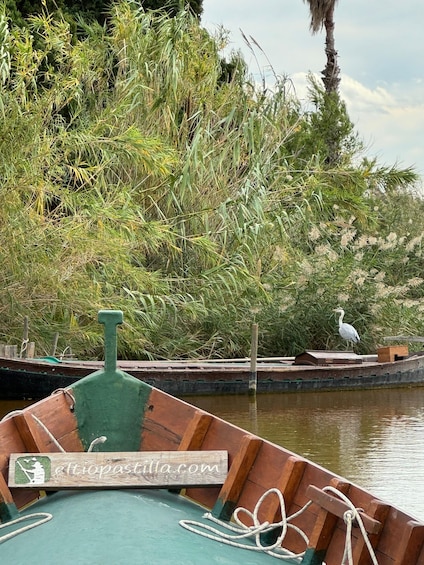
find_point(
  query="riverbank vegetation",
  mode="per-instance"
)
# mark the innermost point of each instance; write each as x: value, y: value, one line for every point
x: 141, y: 171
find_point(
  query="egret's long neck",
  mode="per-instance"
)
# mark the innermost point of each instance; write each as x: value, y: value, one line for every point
x: 341, y: 318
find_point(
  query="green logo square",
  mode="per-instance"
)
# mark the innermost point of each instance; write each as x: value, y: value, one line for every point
x: 32, y: 469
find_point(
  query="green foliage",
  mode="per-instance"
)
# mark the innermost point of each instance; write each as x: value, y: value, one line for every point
x: 172, y: 7
x: 91, y: 10
x: 138, y: 173
x: 327, y: 131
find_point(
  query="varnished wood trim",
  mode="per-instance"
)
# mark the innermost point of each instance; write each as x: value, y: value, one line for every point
x: 379, y: 511
x: 326, y: 521
x: 331, y: 504
x: 237, y: 476
x: 411, y: 544
x: 30, y: 432
x: 195, y: 432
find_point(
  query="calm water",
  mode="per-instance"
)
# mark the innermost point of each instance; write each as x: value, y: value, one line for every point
x: 373, y: 438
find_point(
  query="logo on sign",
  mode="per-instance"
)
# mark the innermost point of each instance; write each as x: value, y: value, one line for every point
x: 34, y: 470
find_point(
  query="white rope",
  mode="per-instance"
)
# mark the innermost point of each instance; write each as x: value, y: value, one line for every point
x: 241, y: 531
x: 45, y: 517
x: 48, y: 432
x: 24, y: 347
x: 95, y: 441
x: 349, y: 517
x: 100, y: 439
x: 40, y: 423
x: 10, y: 415
x: 68, y: 393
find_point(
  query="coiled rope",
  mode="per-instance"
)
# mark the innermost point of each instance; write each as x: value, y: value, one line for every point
x: 243, y: 532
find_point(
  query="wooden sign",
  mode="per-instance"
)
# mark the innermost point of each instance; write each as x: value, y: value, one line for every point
x: 143, y: 469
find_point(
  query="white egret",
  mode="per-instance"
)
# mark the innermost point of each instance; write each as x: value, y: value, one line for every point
x: 347, y: 331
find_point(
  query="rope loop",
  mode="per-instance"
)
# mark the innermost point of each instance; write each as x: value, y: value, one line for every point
x: 253, y: 532
x: 348, y: 517
x: 24, y: 347
x: 97, y: 440
x: 351, y: 516
x: 68, y: 394
x: 43, y: 518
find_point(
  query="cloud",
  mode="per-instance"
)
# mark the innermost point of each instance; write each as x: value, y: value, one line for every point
x: 380, y: 57
x: 383, y: 118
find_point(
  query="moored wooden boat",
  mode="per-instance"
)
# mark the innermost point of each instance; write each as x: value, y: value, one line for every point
x: 98, y: 428
x: 311, y: 370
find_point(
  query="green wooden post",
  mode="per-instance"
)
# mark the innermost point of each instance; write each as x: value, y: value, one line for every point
x: 110, y: 319
x: 110, y: 402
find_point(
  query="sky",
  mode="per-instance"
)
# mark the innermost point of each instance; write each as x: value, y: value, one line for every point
x: 380, y: 53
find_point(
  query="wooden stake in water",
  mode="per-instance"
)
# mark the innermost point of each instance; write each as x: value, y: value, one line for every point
x: 25, y: 340
x: 54, y: 344
x: 253, y: 379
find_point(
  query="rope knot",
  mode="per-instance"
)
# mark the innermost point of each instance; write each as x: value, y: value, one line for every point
x: 349, y: 517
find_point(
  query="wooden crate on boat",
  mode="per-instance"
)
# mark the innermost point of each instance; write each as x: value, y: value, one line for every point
x: 392, y: 353
x: 327, y: 358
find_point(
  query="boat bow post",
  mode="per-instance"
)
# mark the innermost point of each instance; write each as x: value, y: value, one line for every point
x: 110, y: 320
x: 110, y: 402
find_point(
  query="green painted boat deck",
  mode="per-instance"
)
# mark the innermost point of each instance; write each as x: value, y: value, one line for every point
x: 114, y: 527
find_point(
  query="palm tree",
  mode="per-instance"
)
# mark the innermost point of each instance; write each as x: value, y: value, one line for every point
x: 322, y: 15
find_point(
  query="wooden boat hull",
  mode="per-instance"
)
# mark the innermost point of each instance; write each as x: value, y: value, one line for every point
x: 35, y: 379
x: 138, y: 418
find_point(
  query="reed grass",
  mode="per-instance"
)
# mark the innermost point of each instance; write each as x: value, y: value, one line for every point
x: 135, y: 177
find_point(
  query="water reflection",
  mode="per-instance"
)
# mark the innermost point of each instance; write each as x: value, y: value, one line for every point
x: 373, y: 438
x: 7, y: 406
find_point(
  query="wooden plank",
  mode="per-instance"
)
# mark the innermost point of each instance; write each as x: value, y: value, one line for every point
x: 56, y: 427
x: 288, y: 484
x: 5, y: 494
x: 337, y: 507
x: 195, y: 432
x: 411, y: 339
x: 30, y: 432
x: 328, y: 515
x: 8, y: 510
x: 325, y: 523
x: 237, y: 476
x: 10, y: 441
x: 379, y: 511
x: 55, y: 471
x: 411, y: 544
